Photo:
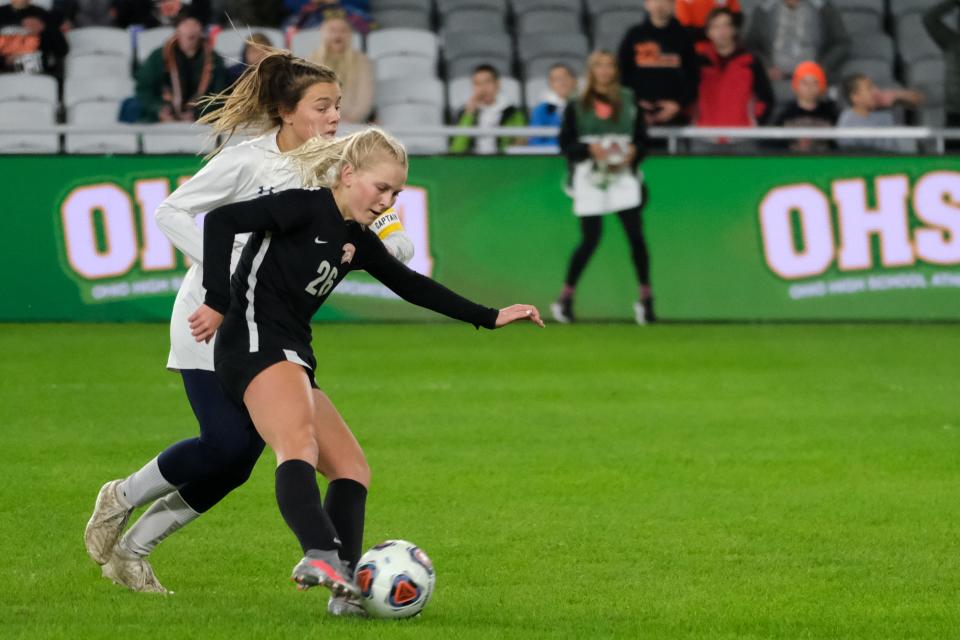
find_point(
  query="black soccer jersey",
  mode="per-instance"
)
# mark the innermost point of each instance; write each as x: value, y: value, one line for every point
x: 299, y: 250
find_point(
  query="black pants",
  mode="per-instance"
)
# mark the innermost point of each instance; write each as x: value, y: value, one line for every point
x: 591, y: 228
x: 207, y: 468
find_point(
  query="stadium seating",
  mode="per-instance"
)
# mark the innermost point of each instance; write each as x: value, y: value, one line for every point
x: 95, y: 64
x: 102, y: 114
x: 169, y: 142
x: 609, y: 27
x: 464, y: 51
x: 423, y: 91
x: 903, y: 7
x: 28, y: 88
x: 415, y: 115
x: 404, y: 18
x: 398, y: 53
x: 859, y: 22
x: 24, y: 114
x: 305, y: 42
x: 913, y: 41
x: 100, y: 40
x: 77, y: 90
x: 478, y: 20
x: 596, y: 7
x: 538, y: 52
x: 533, y: 91
x: 557, y: 22
x: 150, y: 39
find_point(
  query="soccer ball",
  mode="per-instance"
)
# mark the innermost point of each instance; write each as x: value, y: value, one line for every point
x: 396, y: 579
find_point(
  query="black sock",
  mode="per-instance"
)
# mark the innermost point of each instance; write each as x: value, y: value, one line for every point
x: 299, y: 498
x: 346, y: 504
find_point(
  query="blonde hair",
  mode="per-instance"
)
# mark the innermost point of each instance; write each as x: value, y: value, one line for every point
x: 256, y: 99
x: 320, y: 161
x: 592, y: 92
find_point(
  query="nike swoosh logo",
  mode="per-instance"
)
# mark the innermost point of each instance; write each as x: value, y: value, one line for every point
x: 319, y: 241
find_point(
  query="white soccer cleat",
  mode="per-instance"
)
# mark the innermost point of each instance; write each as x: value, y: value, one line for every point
x: 132, y: 571
x: 346, y: 606
x: 106, y: 524
x: 562, y: 311
x: 639, y: 313
x: 324, y: 568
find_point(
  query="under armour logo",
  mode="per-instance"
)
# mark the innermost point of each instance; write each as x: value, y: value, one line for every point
x: 264, y: 190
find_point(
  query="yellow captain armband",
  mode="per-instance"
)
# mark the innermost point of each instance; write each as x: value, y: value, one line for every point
x: 386, y: 224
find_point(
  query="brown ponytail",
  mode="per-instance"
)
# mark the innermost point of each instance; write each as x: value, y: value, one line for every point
x: 255, y: 100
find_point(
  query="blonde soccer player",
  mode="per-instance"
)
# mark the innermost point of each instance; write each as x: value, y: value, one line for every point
x: 303, y: 243
x: 290, y: 100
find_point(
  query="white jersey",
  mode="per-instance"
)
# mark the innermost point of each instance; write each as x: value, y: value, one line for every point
x: 248, y: 170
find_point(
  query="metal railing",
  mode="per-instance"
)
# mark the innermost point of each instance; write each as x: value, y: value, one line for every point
x: 674, y: 136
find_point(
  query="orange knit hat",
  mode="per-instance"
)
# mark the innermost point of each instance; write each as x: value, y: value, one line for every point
x: 810, y: 68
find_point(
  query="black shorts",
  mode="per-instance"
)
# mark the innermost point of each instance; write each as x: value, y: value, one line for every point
x: 236, y: 370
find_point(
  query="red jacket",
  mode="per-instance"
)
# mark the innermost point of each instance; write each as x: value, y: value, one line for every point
x: 734, y: 90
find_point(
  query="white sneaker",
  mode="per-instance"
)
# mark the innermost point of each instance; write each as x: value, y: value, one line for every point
x: 562, y: 311
x: 132, y: 571
x: 639, y: 313
x: 346, y: 606
x: 106, y: 524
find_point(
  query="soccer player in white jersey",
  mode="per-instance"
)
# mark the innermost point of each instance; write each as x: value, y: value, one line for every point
x: 292, y: 100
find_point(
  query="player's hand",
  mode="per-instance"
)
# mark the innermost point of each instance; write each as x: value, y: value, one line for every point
x: 519, y: 312
x: 204, y: 323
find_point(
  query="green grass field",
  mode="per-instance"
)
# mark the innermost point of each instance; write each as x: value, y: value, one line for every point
x: 588, y: 481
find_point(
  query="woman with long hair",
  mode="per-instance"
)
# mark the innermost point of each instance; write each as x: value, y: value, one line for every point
x: 303, y: 243
x: 290, y: 101
x: 603, y: 137
x: 352, y: 66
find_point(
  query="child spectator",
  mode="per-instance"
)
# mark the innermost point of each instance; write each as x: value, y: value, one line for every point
x: 31, y: 40
x: 486, y: 108
x: 809, y: 108
x: 867, y: 109
x: 253, y: 52
x: 787, y: 32
x: 734, y: 89
x: 353, y: 68
x: 549, y: 113
x: 177, y: 73
x: 658, y: 63
x: 693, y: 14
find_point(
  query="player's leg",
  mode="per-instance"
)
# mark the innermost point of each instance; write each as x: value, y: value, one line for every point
x: 281, y: 403
x: 590, y: 229
x: 342, y: 462
x: 225, y: 440
x: 633, y: 226
x: 340, y: 459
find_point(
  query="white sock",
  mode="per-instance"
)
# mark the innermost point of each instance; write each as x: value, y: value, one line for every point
x: 164, y: 516
x: 144, y: 485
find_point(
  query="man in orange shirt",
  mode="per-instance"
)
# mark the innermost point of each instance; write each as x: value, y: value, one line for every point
x: 693, y: 14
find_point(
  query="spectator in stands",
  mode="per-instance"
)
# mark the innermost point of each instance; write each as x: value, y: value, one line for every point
x: 693, y: 14
x: 734, y: 89
x: 869, y: 108
x: 658, y: 62
x: 158, y: 13
x: 353, y: 67
x: 810, y: 108
x: 787, y: 32
x: 31, y: 39
x: 254, y: 50
x: 604, y: 139
x: 177, y: 73
x: 948, y: 39
x: 313, y: 13
x: 486, y: 108
x: 549, y: 113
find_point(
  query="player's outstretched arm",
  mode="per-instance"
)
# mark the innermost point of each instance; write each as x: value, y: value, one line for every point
x: 516, y: 312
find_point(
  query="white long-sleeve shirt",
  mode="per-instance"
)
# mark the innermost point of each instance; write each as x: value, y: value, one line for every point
x: 243, y: 172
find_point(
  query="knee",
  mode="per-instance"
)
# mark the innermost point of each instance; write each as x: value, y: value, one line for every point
x: 240, y: 450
